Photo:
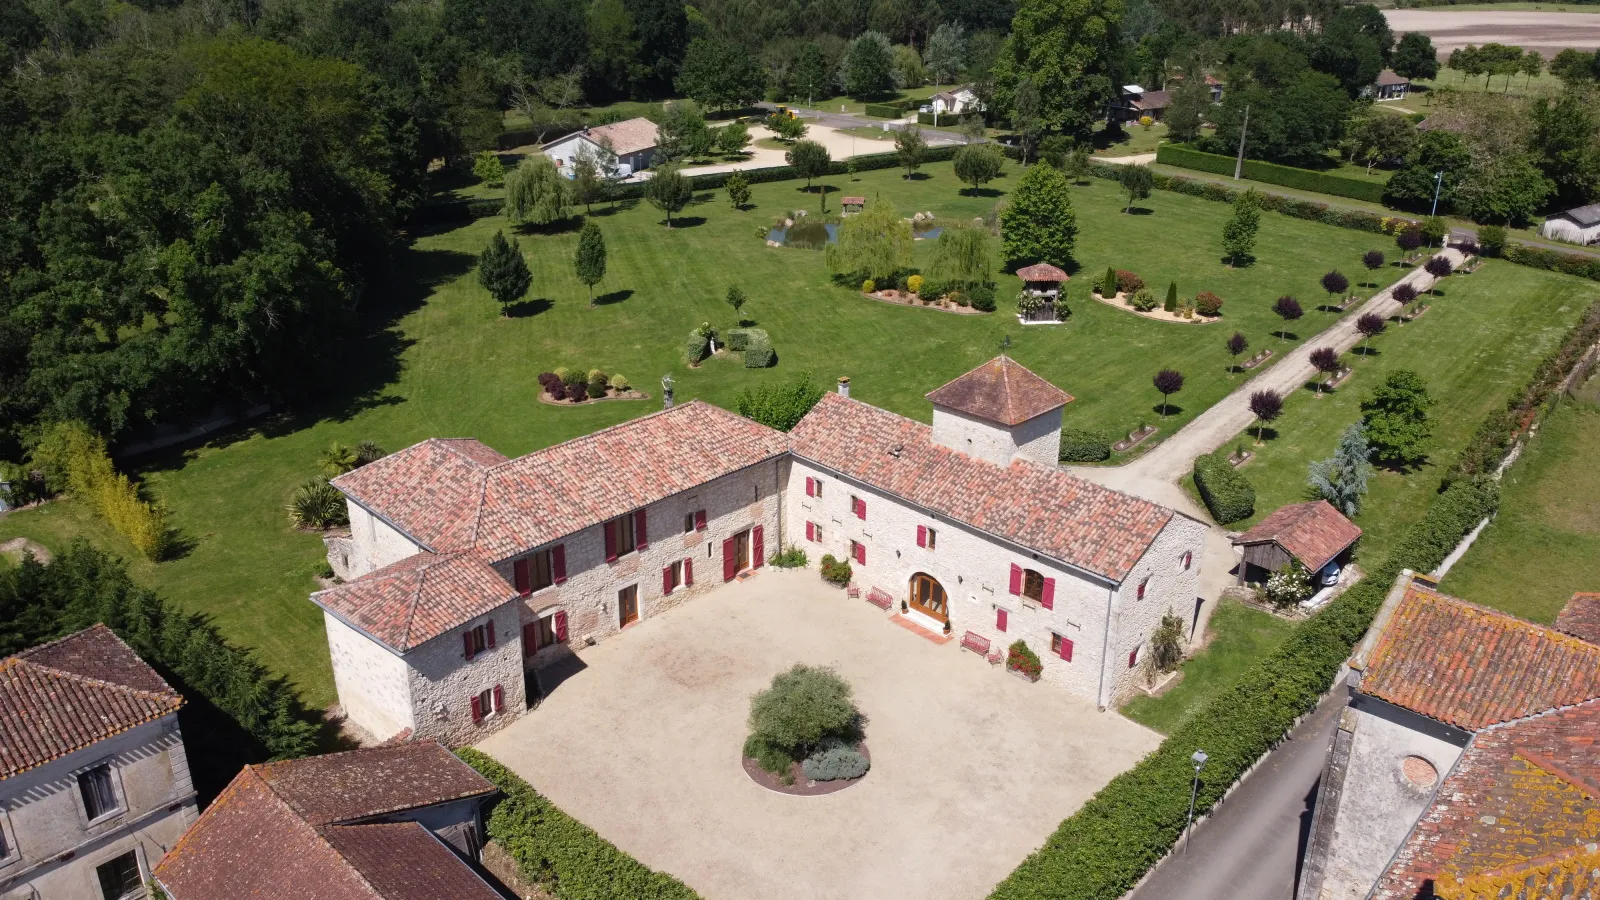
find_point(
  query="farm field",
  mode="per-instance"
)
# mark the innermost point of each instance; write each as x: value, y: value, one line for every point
x: 440, y: 360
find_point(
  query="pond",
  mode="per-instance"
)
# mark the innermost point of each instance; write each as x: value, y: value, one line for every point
x: 925, y: 231
x: 805, y: 235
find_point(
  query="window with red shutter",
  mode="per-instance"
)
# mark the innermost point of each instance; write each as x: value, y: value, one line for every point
x: 641, y: 533
x: 811, y: 531
x: 1142, y: 585
x: 561, y: 626
x: 700, y: 520
x: 477, y: 710
x: 488, y: 629
x: 611, y: 540
x: 861, y: 510
x: 466, y: 642
x: 1061, y: 647
x: 499, y: 699
x: 1000, y: 618
x: 1047, y: 597
x: 1133, y: 658
x: 922, y: 535
x: 729, y: 564
x: 558, y: 562
x: 1016, y: 580
x: 520, y: 576
x: 811, y: 486
x: 758, y: 548
x: 666, y: 580
x: 688, y: 572
x: 530, y: 639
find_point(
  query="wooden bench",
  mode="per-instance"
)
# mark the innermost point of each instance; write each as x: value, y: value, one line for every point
x: 975, y: 642
x: 880, y: 599
x: 852, y: 592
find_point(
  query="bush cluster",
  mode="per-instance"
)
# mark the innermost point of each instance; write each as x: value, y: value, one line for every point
x: 836, y: 571
x: 577, y: 385
x: 1208, y: 304
x: 1227, y: 493
x: 696, y: 347
x: 790, y: 557
x: 1143, y: 301
x: 758, y: 352
x: 1128, y: 282
x: 1084, y: 445
x: 835, y: 763
x: 738, y: 338
x: 560, y: 854
x: 73, y: 459
x: 806, y: 710
x: 1271, y: 173
x: 1020, y: 657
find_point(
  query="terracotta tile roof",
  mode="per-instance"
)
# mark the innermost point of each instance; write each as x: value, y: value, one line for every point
x: 1472, y: 667
x: 429, y: 491
x: 852, y: 201
x: 252, y: 842
x: 360, y: 784
x: 1042, y: 272
x: 1313, y: 533
x: 1044, y: 509
x: 1389, y: 77
x: 1152, y: 100
x: 413, y: 601
x: 1001, y: 390
x: 1517, y: 818
x: 71, y: 693
x: 1581, y: 617
x: 627, y: 136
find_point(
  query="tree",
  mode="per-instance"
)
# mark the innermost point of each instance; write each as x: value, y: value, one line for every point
x: 1415, y: 57
x: 869, y: 65
x: 502, y: 270
x: 1295, y: 123
x: 734, y: 138
x: 536, y: 194
x: 978, y: 164
x: 1408, y: 238
x: 1326, y: 361
x: 1266, y: 406
x: 589, y: 262
x: 1166, y: 643
x: 1187, y: 110
x: 1574, y: 67
x: 1396, y: 418
x: 487, y: 168
x: 1038, y: 224
x: 908, y: 68
x: 1405, y: 293
x: 1288, y: 309
x: 780, y: 406
x: 1532, y: 65
x: 718, y: 74
x: 738, y: 188
x: 1438, y: 267
x: 1335, y: 283
x: 1078, y: 164
x: 1505, y: 189
x: 1168, y: 382
x: 1067, y: 51
x: 1136, y: 181
x: 875, y: 243
x: 1342, y: 478
x: 737, y: 299
x: 1370, y: 325
x: 946, y: 53
x: 669, y: 190
x: 910, y: 147
x: 1025, y: 120
x: 588, y: 184
x: 961, y: 255
x: 681, y: 133
x: 1436, y: 151
x: 787, y: 128
x: 1237, y: 344
x: 1566, y: 143
x: 1239, y: 234
x: 1373, y: 260
x: 1171, y: 304
x: 810, y: 160
x: 811, y: 71
x: 1381, y: 137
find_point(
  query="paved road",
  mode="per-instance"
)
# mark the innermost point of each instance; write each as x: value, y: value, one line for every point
x: 1251, y: 846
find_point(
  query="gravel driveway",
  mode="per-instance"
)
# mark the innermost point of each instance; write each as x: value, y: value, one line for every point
x: 972, y: 768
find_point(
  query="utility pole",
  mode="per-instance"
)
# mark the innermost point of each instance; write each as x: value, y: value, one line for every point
x: 1238, y: 164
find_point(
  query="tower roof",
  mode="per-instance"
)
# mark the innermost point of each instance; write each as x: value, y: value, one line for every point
x: 1001, y: 390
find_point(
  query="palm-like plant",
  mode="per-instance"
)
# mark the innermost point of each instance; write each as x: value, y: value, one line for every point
x: 338, y: 459
x: 318, y: 504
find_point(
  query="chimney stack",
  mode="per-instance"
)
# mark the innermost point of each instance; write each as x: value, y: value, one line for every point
x: 844, y: 385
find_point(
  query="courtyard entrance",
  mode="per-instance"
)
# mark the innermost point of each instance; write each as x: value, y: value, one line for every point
x: 928, y: 597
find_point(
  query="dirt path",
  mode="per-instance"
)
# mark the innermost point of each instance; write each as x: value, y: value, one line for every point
x: 16, y: 547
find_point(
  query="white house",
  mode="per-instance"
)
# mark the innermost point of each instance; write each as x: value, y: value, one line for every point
x: 631, y: 143
x: 466, y: 569
x: 94, y: 780
x: 1575, y: 226
x: 956, y: 102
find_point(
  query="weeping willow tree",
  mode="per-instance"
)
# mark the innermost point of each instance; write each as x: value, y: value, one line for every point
x: 536, y: 194
x: 875, y: 243
x: 961, y: 254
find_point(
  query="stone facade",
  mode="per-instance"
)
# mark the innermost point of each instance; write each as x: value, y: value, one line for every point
x: 55, y: 849
x: 1170, y: 571
x: 374, y: 544
x: 443, y: 681
x: 1037, y: 439
x: 373, y: 683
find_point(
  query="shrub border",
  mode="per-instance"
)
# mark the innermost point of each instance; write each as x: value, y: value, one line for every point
x: 1186, y: 157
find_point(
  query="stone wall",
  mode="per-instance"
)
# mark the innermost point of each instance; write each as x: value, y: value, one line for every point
x: 373, y: 684
x: 1171, y: 589
x: 373, y: 544
x: 443, y: 681
x: 1038, y: 439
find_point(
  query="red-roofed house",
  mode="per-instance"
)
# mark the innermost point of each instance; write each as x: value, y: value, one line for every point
x: 466, y: 569
x: 1465, y: 765
x: 94, y: 780
x: 630, y: 145
x: 1313, y: 534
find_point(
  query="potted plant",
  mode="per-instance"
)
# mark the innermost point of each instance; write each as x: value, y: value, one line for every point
x: 1023, y: 661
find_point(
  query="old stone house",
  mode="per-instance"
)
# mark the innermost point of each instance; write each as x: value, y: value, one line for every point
x: 1464, y: 765
x: 94, y: 780
x: 402, y: 822
x: 465, y: 569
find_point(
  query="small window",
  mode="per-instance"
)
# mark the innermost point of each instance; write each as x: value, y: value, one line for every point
x: 1142, y: 586
x: 814, y: 532
x: 1032, y: 585
x: 534, y: 573
x: 1061, y: 647
x: 688, y: 522
x: 120, y: 877
x: 672, y: 578
x: 99, y: 796
x: 816, y: 486
x: 486, y: 702
x: 543, y: 632
x: 1188, y: 559
x: 1133, y: 658
x: 858, y: 552
x: 477, y: 641
x: 620, y: 534
x: 933, y: 538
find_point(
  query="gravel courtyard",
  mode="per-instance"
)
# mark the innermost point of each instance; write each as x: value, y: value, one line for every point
x: 972, y: 768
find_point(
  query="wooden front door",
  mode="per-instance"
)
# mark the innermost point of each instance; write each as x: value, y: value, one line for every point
x: 928, y: 597
x: 741, y: 551
x: 628, y: 605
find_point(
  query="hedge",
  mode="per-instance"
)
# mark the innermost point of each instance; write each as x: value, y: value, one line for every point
x: 1288, y: 176
x: 1104, y: 848
x: 758, y: 353
x: 889, y: 110
x: 74, y: 460
x: 1084, y: 445
x: 1228, y: 494
x: 562, y: 855
x: 738, y: 338
x: 1553, y: 260
x: 695, y: 347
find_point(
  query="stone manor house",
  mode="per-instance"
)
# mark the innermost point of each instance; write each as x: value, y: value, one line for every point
x: 467, y: 573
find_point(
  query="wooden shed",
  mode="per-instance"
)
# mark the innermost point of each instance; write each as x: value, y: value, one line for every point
x: 1313, y: 534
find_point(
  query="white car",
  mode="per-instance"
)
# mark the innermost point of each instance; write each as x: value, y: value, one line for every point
x: 1328, y: 576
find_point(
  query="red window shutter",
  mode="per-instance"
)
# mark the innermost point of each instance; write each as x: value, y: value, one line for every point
x: 1016, y: 580
x: 1066, y: 649
x: 1000, y: 620
x: 688, y: 572
x: 1133, y: 658
x: 922, y: 535
x: 466, y: 642
x: 1141, y: 588
x: 611, y: 539
x: 499, y: 699
x: 530, y: 638
x: 519, y: 575
x: 811, y: 486
x: 477, y: 710
x: 666, y: 580
x: 1047, y: 597
x: 489, y: 633
x: 758, y: 553
x: 700, y: 520
x: 860, y: 553
x: 561, y: 626
x: 558, y: 562
x: 811, y: 531
x: 728, y: 563
x: 861, y: 510
x: 641, y: 533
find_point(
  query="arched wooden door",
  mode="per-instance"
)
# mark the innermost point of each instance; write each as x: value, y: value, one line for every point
x: 928, y: 597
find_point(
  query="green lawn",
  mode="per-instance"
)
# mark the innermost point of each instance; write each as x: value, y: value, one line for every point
x: 1543, y: 544
x: 1239, y: 636
x: 441, y: 361
x: 1453, y: 79
x: 1524, y: 7
x: 1135, y: 139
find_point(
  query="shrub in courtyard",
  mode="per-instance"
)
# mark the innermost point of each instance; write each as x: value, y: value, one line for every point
x: 868, y: 286
x: 790, y: 557
x: 1208, y: 304
x: 835, y: 571
x: 835, y: 764
x: 1166, y: 645
x: 575, y: 376
x: 982, y: 297
x: 1289, y: 585
x: 1084, y: 445
x: 578, y: 393
x: 1492, y: 240
x: 758, y: 353
x: 738, y: 338
x: 1021, y: 658
x: 805, y: 709
x: 914, y: 284
x: 1142, y: 300
x: 1171, y: 303
x: 1227, y: 493
x: 318, y: 504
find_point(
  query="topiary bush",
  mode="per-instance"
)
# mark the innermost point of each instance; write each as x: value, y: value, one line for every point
x: 1208, y: 304
x: 738, y: 338
x: 836, y: 571
x: 758, y: 352
x: 1084, y: 445
x: 868, y: 286
x: 982, y: 297
x: 835, y: 763
x: 1128, y: 282
x: 696, y: 347
x: 914, y: 284
x: 619, y: 383
x: 1227, y: 493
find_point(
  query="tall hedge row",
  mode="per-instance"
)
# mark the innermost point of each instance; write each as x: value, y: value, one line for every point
x: 1104, y: 848
x: 1577, y: 264
x: 1227, y: 493
x: 1186, y: 157
x: 565, y: 857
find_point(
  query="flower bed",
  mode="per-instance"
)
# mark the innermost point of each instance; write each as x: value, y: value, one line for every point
x: 1134, y: 438
x: 903, y: 298
x: 1415, y: 314
x: 1256, y: 360
x: 576, y: 388
x: 1124, y: 302
x: 798, y: 784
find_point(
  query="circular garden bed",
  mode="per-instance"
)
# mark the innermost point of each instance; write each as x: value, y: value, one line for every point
x: 798, y: 785
x: 806, y: 735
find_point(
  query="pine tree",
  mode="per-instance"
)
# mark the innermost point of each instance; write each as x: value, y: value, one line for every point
x: 1342, y: 478
x: 502, y: 270
x: 1108, y: 288
x: 1239, y: 234
x: 1171, y: 305
x: 590, y: 260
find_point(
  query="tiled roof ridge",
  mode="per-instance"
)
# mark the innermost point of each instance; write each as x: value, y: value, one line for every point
x: 96, y: 628
x: 418, y: 570
x: 167, y: 696
x: 611, y: 428
x: 323, y: 839
x: 1543, y: 762
x: 190, y: 834
x: 1423, y: 588
x: 261, y: 770
x: 1543, y: 713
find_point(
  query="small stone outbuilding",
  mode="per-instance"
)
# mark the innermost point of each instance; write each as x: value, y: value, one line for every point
x: 1313, y: 534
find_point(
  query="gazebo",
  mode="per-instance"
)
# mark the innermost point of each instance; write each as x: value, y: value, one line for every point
x: 1041, y: 289
x: 852, y: 205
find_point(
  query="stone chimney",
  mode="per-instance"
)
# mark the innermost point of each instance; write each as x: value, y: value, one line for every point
x: 844, y: 386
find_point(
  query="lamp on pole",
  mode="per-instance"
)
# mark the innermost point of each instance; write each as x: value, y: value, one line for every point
x: 1199, y: 759
x: 1438, y: 182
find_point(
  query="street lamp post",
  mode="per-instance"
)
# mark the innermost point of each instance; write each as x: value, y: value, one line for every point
x: 1199, y: 759
x: 1438, y: 182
